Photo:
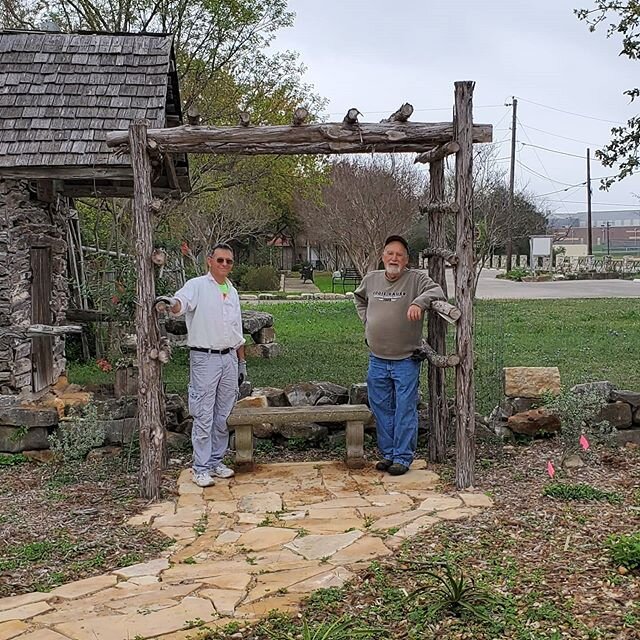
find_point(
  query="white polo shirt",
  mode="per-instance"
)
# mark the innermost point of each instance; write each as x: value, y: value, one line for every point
x: 213, y: 321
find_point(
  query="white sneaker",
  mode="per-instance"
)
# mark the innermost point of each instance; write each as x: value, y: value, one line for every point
x: 203, y: 479
x: 222, y: 471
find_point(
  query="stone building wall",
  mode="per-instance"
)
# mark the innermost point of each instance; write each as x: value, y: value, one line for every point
x: 25, y: 223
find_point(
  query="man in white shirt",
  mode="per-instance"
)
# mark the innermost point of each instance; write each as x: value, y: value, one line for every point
x: 211, y: 307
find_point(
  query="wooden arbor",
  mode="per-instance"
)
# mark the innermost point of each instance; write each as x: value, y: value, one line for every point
x: 433, y: 141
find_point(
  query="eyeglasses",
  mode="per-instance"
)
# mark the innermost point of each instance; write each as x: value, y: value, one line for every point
x: 227, y: 260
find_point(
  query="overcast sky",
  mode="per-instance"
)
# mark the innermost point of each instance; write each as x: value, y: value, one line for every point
x: 376, y: 54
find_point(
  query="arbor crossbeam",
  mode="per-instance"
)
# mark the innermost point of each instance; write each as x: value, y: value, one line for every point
x: 327, y: 138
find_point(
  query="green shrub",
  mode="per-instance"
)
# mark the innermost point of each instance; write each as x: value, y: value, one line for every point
x: 11, y: 460
x: 580, y: 491
x: 576, y: 412
x: 517, y: 273
x: 625, y: 550
x: 238, y: 276
x: 76, y: 436
x: 261, y: 279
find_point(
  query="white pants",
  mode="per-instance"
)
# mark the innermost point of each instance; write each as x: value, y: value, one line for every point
x: 213, y: 391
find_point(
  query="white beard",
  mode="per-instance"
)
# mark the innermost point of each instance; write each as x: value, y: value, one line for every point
x: 393, y: 270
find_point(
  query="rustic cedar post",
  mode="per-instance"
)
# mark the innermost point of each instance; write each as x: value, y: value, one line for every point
x: 465, y: 276
x: 437, y: 327
x: 150, y: 400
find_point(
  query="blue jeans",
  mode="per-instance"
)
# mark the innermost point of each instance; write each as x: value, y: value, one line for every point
x: 393, y: 397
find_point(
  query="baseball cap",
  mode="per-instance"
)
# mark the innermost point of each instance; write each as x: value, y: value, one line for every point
x: 399, y: 239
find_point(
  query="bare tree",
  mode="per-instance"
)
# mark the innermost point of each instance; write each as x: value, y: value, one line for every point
x: 362, y: 203
x: 227, y: 216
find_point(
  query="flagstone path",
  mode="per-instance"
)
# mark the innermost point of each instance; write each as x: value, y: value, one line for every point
x: 261, y: 541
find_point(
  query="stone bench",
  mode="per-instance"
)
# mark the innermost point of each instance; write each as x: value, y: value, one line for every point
x: 354, y: 415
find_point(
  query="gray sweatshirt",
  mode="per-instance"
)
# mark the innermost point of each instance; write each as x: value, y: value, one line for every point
x: 382, y: 305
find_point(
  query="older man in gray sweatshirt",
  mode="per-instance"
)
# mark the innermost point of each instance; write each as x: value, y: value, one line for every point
x: 391, y: 304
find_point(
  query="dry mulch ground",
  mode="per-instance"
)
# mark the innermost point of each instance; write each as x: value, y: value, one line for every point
x: 63, y: 523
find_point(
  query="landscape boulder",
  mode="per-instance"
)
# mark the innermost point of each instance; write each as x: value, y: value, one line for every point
x: 534, y: 422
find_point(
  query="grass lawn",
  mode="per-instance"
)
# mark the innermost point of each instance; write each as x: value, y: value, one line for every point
x: 587, y: 339
x: 322, y: 280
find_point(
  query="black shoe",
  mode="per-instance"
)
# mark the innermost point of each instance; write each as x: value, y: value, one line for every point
x: 384, y: 465
x: 397, y: 469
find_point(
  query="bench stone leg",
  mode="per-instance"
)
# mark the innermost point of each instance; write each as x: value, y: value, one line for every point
x: 244, y: 447
x: 355, y: 444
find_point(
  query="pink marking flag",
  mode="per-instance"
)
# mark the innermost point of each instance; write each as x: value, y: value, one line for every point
x: 584, y: 443
x: 550, y: 470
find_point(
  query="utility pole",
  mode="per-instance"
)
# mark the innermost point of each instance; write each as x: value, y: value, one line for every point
x: 605, y: 228
x: 512, y: 178
x: 589, y: 231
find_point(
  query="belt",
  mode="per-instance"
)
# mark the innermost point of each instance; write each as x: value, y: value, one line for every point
x: 221, y: 352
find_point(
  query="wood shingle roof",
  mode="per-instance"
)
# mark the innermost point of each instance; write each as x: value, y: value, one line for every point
x: 61, y: 93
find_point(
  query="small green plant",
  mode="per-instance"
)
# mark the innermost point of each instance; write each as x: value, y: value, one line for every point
x: 201, y: 524
x: 18, y: 434
x: 194, y: 624
x: 12, y: 460
x: 580, y: 491
x: 77, y: 435
x: 343, y: 628
x: 452, y: 591
x: 625, y: 550
x: 189, y: 560
x: 368, y: 521
x: 130, y: 558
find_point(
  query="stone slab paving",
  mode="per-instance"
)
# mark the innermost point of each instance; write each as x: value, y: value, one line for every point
x: 257, y: 542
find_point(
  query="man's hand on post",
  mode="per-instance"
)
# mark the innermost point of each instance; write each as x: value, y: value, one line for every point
x: 242, y: 371
x: 164, y: 303
x: 414, y: 313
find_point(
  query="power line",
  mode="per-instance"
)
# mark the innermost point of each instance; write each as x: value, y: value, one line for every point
x: 538, y: 157
x: 575, y: 186
x: 557, y: 135
x: 388, y: 111
x: 571, y: 113
x: 562, y: 153
x: 539, y: 175
x: 598, y: 204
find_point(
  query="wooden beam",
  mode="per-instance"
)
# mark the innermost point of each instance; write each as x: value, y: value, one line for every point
x: 89, y: 190
x: 442, y: 361
x: 401, y: 115
x: 150, y: 397
x: 67, y: 172
x: 447, y: 255
x: 52, y: 330
x: 465, y: 278
x: 322, y: 138
x: 446, y: 311
x: 88, y: 315
x: 46, y: 191
x: 436, y: 325
x: 299, y: 116
x: 439, y: 153
x: 439, y: 207
x: 172, y: 176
